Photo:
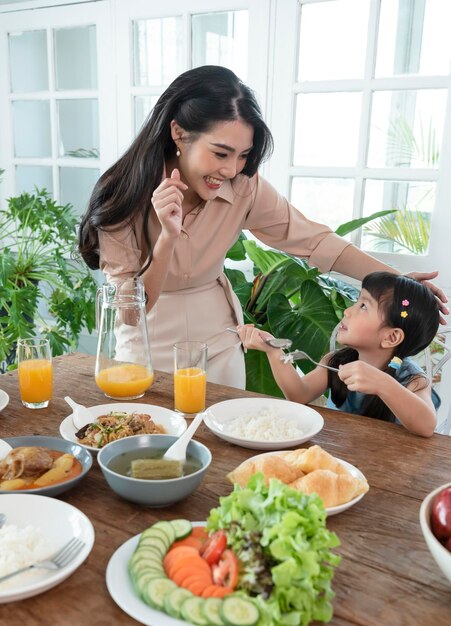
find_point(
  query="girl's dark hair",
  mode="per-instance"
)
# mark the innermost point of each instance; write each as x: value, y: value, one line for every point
x: 420, y: 327
x: 196, y: 100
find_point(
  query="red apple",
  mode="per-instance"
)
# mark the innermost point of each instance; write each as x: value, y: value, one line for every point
x: 441, y: 514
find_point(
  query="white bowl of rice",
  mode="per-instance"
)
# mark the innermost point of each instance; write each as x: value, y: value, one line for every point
x: 263, y: 423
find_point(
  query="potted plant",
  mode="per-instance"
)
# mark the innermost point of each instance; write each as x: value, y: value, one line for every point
x: 289, y: 299
x: 43, y: 291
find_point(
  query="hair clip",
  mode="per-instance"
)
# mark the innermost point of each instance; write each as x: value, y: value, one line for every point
x: 405, y: 303
x: 404, y: 314
x: 395, y: 363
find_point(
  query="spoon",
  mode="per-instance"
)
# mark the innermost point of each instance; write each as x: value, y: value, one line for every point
x: 81, y: 415
x: 5, y: 449
x: 177, y: 452
x: 274, y: 343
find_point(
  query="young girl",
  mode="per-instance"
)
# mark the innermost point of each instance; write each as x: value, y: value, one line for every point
x: 394, y: 318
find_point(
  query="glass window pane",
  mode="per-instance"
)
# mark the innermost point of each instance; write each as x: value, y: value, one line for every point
x: 327, y: 128
x: 31, y: 123
x: 78, y: 128
x: 143, y: 106
x: 28, y: 61
x: 30, y: 176
x: 404, y: 232
x: 76, y: 57
x: 221, y: 39
x: 406, y: 128
x: 325, y: 200
x: 157, y: 50
x: 333, y: 39
x: 76, y: 184
x: 414, y: 37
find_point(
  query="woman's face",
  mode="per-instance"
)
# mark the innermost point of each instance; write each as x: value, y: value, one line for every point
x: 213, y: 157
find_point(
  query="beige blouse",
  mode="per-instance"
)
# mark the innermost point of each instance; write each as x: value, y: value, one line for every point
x: 212, y: 228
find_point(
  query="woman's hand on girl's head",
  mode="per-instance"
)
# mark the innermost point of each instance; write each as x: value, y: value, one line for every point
x: 254, y: 339
x: 424, y: 278
x: 167, y: 201
x: 361, y: 376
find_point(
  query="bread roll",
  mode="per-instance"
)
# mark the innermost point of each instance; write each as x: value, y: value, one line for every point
x: 333, y: 489
x: 314, y: 458
x: 272, y: 466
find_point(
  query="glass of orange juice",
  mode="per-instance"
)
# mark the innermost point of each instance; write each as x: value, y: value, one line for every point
x: 35, y: 372
x: 190, y: 377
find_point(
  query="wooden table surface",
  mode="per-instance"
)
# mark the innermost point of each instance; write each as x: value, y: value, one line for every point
x: 387, y: 576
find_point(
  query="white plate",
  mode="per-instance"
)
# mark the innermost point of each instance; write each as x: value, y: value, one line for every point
x: 58, y: 522
x: 4, y: 399
x: 173, y: 423
x: 121, y: 589
x: 354, y: 471
x: 218, y: 415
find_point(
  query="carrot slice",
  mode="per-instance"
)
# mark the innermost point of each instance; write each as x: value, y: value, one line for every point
x: 175, y: 555
x: 200, y: 533
x: 220, y: 592
x: 197, y: 564
x: 197, y: 587
x: 196, y: 578
x: 191, y: 541
x: 189, y: 571
x: 208, y: 591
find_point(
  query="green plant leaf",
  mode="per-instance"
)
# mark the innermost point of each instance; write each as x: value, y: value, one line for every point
x: 409, y: 229
x: 348, y: 227
x: 237, y: 251
x: 265, y: 260
x: 259, y: 375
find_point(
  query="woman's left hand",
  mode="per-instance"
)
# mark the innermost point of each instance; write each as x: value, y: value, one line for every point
x: 424, y: 278
x: 361, y: 376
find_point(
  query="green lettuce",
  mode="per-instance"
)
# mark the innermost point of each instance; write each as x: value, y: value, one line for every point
x: 295, y: 542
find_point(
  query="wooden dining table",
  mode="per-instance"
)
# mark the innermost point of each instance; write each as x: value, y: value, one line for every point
x: 387, y: 576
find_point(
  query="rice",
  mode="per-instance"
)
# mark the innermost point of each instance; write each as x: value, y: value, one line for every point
x: 20, y: 547
x: 265, y: 425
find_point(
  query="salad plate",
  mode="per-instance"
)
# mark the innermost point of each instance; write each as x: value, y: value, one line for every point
x: 354, y: 471
x: 292, y: 423
x: 4, y: 399
x: 56, y: 522
x: 123, y: 593
x: 173, y: 423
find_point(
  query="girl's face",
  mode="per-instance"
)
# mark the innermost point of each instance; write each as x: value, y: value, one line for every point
x: 213, y: 157
x: 362, y: 326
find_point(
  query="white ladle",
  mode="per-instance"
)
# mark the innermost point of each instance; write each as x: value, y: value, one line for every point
x: 81, y: 416
x: 5, y: 449
x: 177, y: 452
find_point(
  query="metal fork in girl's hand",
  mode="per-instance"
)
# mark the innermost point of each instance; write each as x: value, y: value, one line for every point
x: 60, y: 559
x: 300, y: 354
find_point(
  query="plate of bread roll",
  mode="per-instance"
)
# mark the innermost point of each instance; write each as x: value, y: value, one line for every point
x: 339, y: 484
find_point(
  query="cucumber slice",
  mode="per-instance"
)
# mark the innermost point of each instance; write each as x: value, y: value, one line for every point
x: 156, y: 590
x: 182, y: 528
x: 156, y: 532
x: 192, y: 611
x: 167, y: 528
x: 153, y: 541
x: 236, y: 611
x: 142, y: 580
x: 147, y: 552
x: 173, y: 601
x: 143, y: 566
x: 212, y: 608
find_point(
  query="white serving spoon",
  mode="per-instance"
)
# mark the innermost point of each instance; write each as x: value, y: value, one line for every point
x: 177, y: 452
x: 81, y: 415
x: 5, y: 449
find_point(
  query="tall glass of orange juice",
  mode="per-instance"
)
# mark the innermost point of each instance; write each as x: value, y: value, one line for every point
x: 190, y: 377
x: 35, y: 372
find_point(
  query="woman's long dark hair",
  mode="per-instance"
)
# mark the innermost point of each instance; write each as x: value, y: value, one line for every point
x: 420, y: 327
x: 196, y: 100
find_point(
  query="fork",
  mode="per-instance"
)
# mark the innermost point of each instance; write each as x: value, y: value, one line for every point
x: 60, y: 559
x: 300, y: 354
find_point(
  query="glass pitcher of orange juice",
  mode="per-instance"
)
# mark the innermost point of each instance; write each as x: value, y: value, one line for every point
x: 123, y: 363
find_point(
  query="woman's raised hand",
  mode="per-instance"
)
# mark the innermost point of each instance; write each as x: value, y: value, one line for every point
x: 253, y: 338
x: 424, y: 278
x: 167, y: 201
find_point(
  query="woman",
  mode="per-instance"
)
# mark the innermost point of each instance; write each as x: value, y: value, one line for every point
x: 174, y: 203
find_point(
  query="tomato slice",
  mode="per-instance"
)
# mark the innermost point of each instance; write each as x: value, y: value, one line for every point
x: 214, y: 546
x: 225, y: 573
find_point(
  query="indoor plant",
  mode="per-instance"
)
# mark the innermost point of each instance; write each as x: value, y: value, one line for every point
x: 42, y: 290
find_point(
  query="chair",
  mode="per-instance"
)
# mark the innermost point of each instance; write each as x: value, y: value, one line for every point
x: 431, y: 365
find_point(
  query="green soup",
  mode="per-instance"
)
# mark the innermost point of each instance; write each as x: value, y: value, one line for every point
x: 122, y: 464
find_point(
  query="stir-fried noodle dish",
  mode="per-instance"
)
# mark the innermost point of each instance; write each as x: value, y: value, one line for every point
x: 117, y: 425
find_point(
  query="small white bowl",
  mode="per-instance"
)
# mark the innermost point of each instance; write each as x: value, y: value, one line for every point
x: 441, y: 555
